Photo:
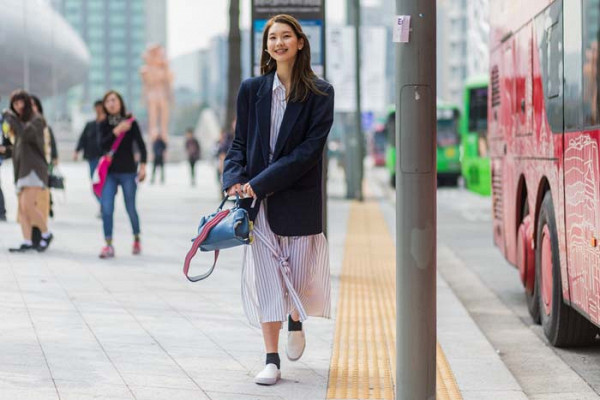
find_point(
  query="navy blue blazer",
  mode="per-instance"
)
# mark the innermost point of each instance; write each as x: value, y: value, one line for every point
x: 292, y: 182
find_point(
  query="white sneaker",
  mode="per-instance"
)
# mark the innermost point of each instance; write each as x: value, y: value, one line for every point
x: 268, y: 376
x: 295, y: 345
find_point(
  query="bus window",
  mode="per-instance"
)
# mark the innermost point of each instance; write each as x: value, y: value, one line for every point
x: 591, y: 81
x: 549, y: 29
x: 447, y: 132
x: 478, y: 110
x: 573, y: 68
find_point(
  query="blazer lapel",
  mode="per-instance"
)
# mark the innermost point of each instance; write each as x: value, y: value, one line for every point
x: 263, y: 114
x: 292, y: 110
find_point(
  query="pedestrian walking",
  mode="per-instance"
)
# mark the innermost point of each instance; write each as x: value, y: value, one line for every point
x: 192, y: 149
x: 5, y: 153
x: 223, y: 145
x: 123, y: 170
x: 159, y: 148
x: 44, y: 198
x: 30, y: 168
x: 89, y: 140
x: 283, y: 120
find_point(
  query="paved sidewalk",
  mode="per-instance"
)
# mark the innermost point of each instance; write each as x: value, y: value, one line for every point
x: 77, y: 327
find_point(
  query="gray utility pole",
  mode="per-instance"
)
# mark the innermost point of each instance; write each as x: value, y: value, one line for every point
x: 353, y: 138
x: 416, y: 204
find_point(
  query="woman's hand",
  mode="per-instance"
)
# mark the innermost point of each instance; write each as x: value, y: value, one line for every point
x: 142, y: 173
x: 235, y: 190
x: 123, y: 126
x: 248, y: 191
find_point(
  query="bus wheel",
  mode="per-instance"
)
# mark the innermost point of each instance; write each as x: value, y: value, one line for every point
x: 526, y: 264
x: 563, y: 326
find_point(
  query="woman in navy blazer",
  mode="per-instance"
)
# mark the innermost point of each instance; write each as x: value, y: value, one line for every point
x: 275, y: 161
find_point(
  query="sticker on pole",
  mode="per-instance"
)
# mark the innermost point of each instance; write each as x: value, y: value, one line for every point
x: 401, y: 28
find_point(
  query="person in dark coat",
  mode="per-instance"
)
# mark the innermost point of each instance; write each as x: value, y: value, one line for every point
x: 283, y: 119
x: 192, y: 149
x: 89, y: 140
x: 30, y: 167
x: 5, y: 152
x: 123, y: 171
x: 159, y: 148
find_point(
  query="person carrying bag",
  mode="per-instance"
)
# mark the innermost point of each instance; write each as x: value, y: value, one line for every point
x: 101, y: 171
x: 283, y: 119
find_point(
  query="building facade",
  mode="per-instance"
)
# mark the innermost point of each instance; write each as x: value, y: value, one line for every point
x: 40, y: 51
x: 117, y: 33
x: 156, y: 22
x: 462, y: 45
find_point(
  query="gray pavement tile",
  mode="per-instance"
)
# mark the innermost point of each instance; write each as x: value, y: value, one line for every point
x: 29, y: 394
x: 493, y: 395
x: 565, y: 396
x: 168, y: 393
x: 556, y: 377
x: 155, y: 379
x: 239, y: 396
x: 25, y: 380
x: 25, y: 366
x: 483, y: 375
x: 216, y: 364
x: 101, y: 373
x: 92, y: 389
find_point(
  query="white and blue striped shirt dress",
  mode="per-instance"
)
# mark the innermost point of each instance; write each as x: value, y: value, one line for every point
x: 268, y: 295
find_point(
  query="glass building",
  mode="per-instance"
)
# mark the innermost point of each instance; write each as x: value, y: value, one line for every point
x: 40, y: 51
x: 115, y: 33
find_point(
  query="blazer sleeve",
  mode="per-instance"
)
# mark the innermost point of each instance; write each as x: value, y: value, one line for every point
x: 305, y: 156
x: 234, y: 169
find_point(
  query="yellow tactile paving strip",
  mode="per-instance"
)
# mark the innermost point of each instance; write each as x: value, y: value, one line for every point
x: 363, y: 359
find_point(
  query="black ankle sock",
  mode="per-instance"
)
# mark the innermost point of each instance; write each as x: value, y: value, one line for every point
x: 294, y: 325
x: 273, y: 358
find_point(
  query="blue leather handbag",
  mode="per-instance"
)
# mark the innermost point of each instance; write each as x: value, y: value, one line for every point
x: 222, y: 229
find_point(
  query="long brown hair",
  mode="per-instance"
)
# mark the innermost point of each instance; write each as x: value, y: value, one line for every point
x: 17, y: 95
x: 303, y: 77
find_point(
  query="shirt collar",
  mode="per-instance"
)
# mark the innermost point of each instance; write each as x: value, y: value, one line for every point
x: 277, y: 83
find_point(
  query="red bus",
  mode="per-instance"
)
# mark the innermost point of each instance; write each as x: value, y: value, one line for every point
x: 544, y: 132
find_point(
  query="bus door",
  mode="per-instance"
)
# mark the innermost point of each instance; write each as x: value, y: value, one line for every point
x: 581, y: 155
x: 502, y: 181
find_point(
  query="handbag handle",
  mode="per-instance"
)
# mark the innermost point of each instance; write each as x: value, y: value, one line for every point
x: 221, y: 214
x: 198, y: 241
x: 236, y: 205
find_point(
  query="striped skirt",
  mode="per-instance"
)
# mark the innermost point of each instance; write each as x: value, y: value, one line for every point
x: 266, y: 292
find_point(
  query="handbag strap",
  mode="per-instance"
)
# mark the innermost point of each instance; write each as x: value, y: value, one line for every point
x: 197, y: 242
x: 117, y: 142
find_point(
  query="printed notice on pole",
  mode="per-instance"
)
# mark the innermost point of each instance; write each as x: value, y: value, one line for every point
x: 401, y: 28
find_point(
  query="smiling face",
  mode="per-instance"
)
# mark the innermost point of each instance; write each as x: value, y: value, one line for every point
x: 282, y: 43
x: 112, y: 104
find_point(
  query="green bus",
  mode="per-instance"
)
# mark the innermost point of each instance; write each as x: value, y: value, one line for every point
x: 475, y: 159
x: 448, y: 144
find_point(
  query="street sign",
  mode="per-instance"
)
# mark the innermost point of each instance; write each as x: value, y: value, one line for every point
x: 310, y: 13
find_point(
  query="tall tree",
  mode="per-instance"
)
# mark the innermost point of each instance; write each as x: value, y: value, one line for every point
x: 234, y: 74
